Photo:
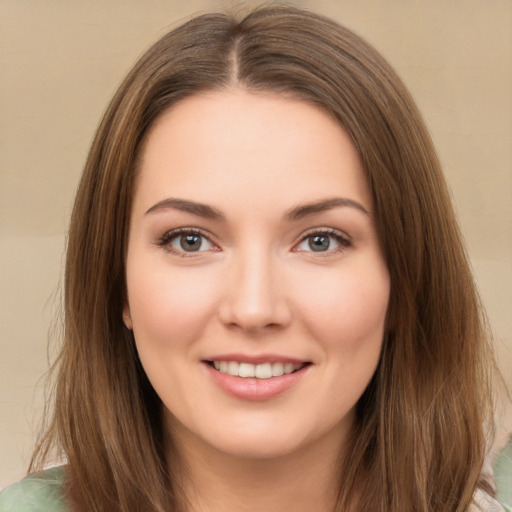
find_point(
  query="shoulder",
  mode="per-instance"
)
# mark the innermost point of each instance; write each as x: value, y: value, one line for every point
x: 40, y: 492
x: 484, y: 503
x: 503, y: 475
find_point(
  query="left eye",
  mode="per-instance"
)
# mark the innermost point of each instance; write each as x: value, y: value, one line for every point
x: 187, y: 242
x: 322, y: 242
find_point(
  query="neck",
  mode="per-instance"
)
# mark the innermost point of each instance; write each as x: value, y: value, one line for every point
x: 213, y: 481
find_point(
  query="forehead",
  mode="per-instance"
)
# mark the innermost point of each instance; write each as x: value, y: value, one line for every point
x: 222, y: 143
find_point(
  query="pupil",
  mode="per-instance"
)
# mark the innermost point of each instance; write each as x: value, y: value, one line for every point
x: 190, y: 242
x: 319, y: 243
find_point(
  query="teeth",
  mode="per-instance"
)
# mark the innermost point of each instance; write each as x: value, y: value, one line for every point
x: 263, y: 371
x: 233, y: 368
x: 288, y: 367
x: 242, y: 370
x: 260, y: 371
x: 277, y: 369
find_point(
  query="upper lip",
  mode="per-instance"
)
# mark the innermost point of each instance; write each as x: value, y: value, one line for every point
x: 257, y: 359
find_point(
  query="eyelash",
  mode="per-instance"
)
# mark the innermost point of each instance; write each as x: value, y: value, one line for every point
x: 166, y: 240
x: 343, y: 241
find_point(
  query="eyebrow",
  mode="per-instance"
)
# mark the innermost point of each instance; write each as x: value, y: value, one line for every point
x: 199, y: 209
x: 296, y: 213
x: 304, y: 210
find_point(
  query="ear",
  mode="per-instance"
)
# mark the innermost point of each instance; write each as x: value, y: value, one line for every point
x: 127, y: 317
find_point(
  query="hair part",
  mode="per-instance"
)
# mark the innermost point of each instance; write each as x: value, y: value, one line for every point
x: 420, y: 439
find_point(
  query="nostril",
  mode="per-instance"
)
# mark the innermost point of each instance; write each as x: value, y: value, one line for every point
x: 254, y: 319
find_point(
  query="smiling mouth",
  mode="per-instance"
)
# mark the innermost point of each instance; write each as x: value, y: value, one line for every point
x: 258, y: 371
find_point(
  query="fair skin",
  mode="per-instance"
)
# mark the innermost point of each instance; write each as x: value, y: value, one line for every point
x: 253, y: 251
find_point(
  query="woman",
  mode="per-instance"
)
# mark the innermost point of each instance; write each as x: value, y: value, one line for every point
x: 267, y: 300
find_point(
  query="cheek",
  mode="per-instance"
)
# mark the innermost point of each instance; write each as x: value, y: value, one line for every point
x: 169, y: 307
x: 169, y: 311
x: 346, y: 314
x: 347, y: 309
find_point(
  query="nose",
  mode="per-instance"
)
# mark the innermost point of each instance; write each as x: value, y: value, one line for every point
x: 254, y: 298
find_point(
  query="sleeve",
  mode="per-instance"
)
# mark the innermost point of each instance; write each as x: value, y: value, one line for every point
x: 41, y: 492
x: 503, y: 475
x: 484, y: 503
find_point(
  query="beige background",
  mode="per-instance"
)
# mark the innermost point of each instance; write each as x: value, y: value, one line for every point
x: 60, y: 61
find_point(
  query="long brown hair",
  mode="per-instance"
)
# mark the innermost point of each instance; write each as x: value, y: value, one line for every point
x: 420, y: 438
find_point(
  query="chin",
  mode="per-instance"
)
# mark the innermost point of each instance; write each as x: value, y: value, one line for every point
x: 258, y: 449
x: 264, y: 440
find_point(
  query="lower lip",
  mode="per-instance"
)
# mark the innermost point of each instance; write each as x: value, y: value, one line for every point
x: 251, y: 388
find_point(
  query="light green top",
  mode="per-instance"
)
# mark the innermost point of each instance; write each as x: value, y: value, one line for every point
x: 40, y: 492
x: 503, y: 475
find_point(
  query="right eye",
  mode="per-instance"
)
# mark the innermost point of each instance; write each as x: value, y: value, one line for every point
x: 186, y: 241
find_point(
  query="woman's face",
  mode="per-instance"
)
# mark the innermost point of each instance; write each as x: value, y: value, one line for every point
x: 257, y: 289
